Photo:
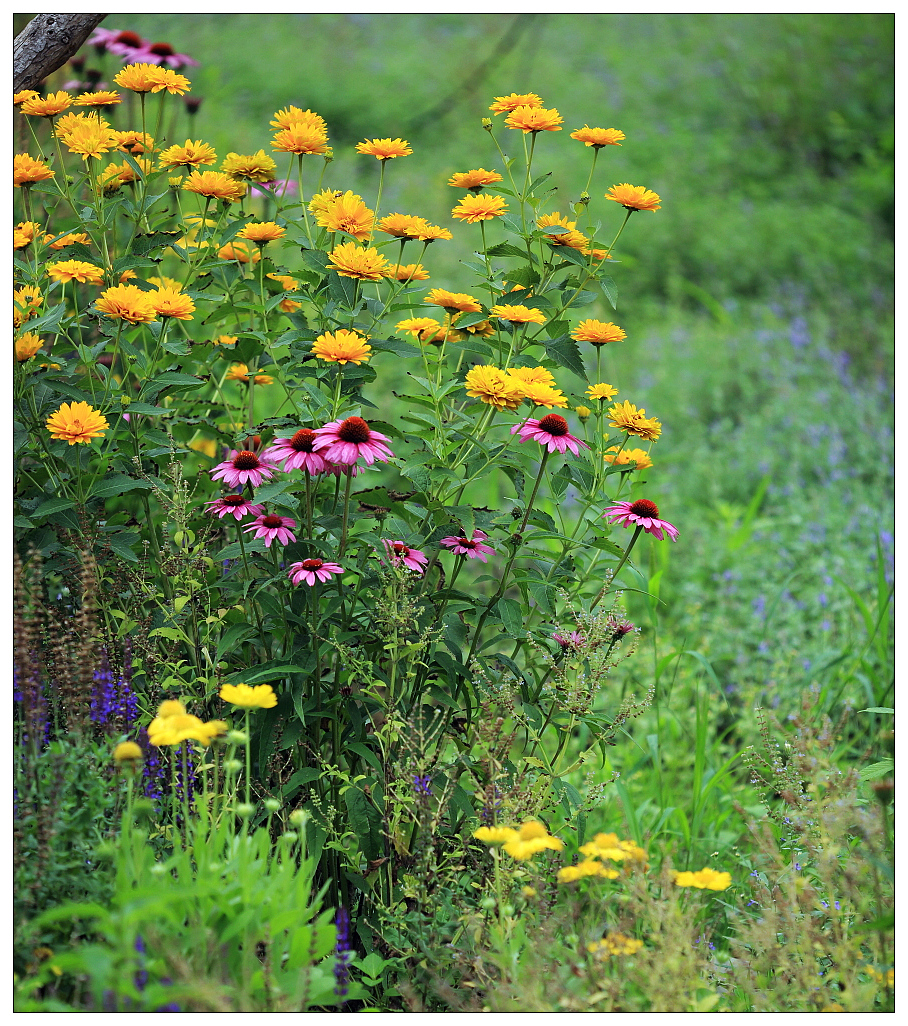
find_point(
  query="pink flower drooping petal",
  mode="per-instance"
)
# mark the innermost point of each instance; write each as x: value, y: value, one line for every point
x: 244, y: 467
x: 345, y: 441
x: 641, y: 513
x: 552, y: 432
x: 413, y: 559
x: 297, y: 453
x: 312, y: 570
x: 472, y: 548
x: 236, y: 505
x: 271, y: 526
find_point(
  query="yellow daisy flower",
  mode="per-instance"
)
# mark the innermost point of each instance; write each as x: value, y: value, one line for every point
x: 168, y: 302
x: 505, y: 104
x: 76, y: 423
x: 346, y: 213
x: 47, y: 106
x: 190, y: 154
x: 262, y: 232
x: 598, y: 137
x: 351, y: 261
x: 518, y: 314
x: 474, y: 179
x: 495, y: 387
x: 534, y: 119
x: 75, y: 270
x: 27, y: 171
x: 600, y: 333
x: 482, y: 207
x: 453, y: 300
x: 384, y: 149
x: 127, y: 303
x: 255, y: 167
x: 246, y: 697
x: 342, y: 347
x: 633, y: 197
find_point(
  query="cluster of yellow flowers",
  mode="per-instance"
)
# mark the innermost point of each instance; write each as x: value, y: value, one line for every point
x: 614, y: 944
x: 174, y: 724
x: 521, y: 842
x: 704, y: 879
x: 603, y: 846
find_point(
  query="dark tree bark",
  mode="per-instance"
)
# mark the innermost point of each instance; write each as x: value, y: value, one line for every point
x: 46, y: 43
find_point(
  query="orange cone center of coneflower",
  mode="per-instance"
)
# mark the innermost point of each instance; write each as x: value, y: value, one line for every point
x: 400, y: 550
x: 131, y: 39
x: 271, y: 521
x: 302, y: 440
x: 162, y: 49
x: 246, y: 460
x: 354, y: 429
x: 644, y: 508
x: 233, y: 500
x: 554, y: 424
x: 312, y: 564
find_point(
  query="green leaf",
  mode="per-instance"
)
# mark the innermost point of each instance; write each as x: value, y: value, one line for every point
x: 122, y: 545
x: 52, y: 506
x: 876, y: 770
x: 267, y: 673
x: 511, y: 615
x: 883, y: 709
x: 610, y: 289
x: 563, y: 350
x: 365, y: 821
x: 146, y: 408
x: 393, y: 345
x: 117, y: 484
x: 143, y: 244
x: 505, y: 249
x: 233, y: 637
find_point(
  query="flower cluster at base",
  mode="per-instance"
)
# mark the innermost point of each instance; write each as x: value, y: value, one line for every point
x: 603, y: 846
x: 704, y: 879
x: 522, y: 842
x: 174, y: 724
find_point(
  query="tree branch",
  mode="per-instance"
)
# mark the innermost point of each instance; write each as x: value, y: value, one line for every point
x: 46, y: 43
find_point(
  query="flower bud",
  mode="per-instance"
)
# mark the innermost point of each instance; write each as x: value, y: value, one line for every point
x: 583, y: 412
x: 244, y: 810
x: 488, y: 904
x: 487, y: 124
x: 272, y: 804
x: 125, y: 400
x: 233, y: 766
x: 289, y: 836
x: 298, y: 817
x: 236, y: 737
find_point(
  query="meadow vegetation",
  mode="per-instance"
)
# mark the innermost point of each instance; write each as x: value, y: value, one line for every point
x: 412, y: 711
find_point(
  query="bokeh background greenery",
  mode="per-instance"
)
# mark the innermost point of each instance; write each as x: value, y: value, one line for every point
x: 757, y: 302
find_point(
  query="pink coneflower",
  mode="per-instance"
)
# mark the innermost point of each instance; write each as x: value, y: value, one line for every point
x: 163, y: 53
x: 124, y: 44
x: 552, y: 432
x: 296, y: 453
x: 238, y: 505
x: 471, y: 548
x: 276, y: 187
x: 413, y: 559
x: 270, y: 526
x: 641, y: 513
x: 311, y: 570
x: 345, y: 441
x: 243, y: 467
x: 573, y: 640
x: 337, y: 469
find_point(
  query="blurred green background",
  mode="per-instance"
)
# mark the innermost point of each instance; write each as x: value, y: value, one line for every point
x: 757, y: 301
